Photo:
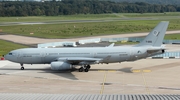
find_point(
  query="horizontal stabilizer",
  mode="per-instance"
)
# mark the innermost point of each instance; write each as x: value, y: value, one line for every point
x: 155, y: 49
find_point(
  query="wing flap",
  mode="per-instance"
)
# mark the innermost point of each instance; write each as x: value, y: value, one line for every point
x: 78, y: 59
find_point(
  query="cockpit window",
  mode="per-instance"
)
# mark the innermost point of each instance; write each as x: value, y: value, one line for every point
x: 10, y: 53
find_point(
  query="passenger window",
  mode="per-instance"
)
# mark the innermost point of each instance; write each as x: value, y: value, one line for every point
x: 10, y: 53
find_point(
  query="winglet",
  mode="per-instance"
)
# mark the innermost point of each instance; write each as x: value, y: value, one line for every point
x: 156, y: 36
x: 111, y: 45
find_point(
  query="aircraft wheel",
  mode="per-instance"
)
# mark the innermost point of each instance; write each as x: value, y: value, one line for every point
x: 81, y: 69
x: 86, y: 70
x: 22, y: 68
x: 88, y: 66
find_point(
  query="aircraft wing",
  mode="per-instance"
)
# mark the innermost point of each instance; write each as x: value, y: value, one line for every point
x: 111, y: 45
x: 79, y: 60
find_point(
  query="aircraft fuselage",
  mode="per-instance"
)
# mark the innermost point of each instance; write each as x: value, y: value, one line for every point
x: 47, y: 55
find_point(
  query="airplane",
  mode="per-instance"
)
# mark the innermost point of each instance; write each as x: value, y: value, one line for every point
x: 68, y: 58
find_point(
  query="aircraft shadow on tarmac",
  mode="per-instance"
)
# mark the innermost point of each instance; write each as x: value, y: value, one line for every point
x: 66, y: 73
x: 125, y: 70
x: 162, y: 66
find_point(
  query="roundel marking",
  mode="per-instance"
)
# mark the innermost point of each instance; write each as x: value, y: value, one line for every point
x: 155, y: 33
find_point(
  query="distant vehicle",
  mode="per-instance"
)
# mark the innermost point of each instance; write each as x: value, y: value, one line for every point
x: 67, y: 58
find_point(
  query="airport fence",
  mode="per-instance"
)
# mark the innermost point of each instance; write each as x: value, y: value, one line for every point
x: 168, y: 55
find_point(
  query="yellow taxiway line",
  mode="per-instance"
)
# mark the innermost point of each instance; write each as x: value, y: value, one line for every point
x: 145, y: 83
x: 104, y: 80
x: 138, y: 71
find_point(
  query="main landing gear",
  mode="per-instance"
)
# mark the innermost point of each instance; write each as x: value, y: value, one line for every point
x: 84, y: 68
x: 22, y: 68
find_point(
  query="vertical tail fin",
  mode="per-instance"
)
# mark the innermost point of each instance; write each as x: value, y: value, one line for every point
x: 156, y: 36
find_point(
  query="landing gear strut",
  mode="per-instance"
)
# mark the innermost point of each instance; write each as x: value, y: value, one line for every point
x: 87, y: 68
x: 81, y: 69
x: 22, y: 68
x: 84, y: 68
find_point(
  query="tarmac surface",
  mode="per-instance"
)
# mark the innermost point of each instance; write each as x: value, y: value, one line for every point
x: 146, y: 76
x: 28, y: 40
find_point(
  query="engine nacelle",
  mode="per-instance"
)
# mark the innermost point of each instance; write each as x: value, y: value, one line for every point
x: 58, y: 65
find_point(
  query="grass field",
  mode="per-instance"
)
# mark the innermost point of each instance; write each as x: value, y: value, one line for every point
x: 6, y: 47
x: 172, y: 37
x: 86, y: 17
x: 72, y: 30
x: 166, y: 14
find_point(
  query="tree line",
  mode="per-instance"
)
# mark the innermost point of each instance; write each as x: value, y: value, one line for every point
x: 70, y: 7
x: 166, y: 2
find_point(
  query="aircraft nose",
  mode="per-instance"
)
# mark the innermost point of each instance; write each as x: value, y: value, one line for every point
x: 10, y: 58
x: 7, y: 57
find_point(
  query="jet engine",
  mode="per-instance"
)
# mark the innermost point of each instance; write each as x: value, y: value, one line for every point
x: 58, y: 65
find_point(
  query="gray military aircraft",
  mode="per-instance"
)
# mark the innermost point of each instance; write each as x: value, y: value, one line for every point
x: 67, y: 58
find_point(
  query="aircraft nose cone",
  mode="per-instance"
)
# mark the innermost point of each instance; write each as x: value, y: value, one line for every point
x: 6, y: 57
x: 10, y: 58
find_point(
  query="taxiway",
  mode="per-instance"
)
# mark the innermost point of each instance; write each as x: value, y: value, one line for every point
x: 146, y: 76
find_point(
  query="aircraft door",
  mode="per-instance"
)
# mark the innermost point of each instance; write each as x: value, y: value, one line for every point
x: 20, y: 57
x: 94, y: 54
